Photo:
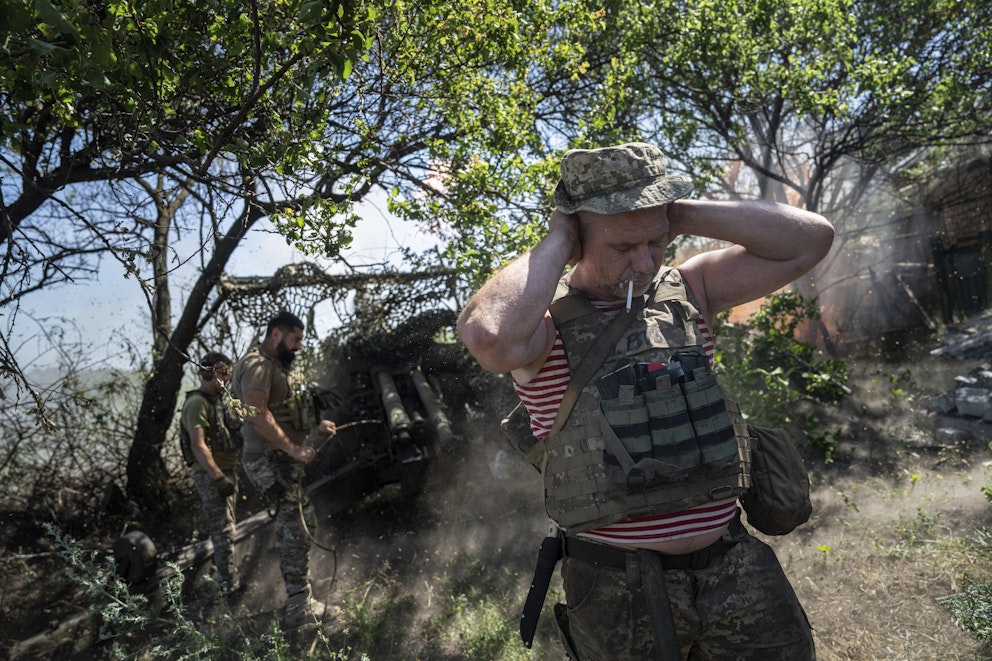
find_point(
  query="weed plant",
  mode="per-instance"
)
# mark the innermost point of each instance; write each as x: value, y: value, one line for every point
x: 476, y: 618
x: 972, y: 608
x: 160, y: 626
x: 764, y: 365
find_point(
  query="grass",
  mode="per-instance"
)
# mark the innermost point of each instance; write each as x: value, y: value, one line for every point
x: 472, y: 617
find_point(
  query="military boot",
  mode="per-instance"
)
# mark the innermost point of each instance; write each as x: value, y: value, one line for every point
x: 301, y: 608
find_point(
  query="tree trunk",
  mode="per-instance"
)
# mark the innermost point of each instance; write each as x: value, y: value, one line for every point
x: 147, y: 476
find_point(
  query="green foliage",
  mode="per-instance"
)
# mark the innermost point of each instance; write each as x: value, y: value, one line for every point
x: 115, y: 114
x: 161, y: 626
x: 790, y: 92
x: 481, y: 628
x: 918, y: 529
x: 460, y: 110
x: 123, y: 614
x: 767, y: 368
x: 981, y: 544
x: 377, y: 625
x: 161, y: 132
x: 818, y: 438
x: 177, y: 72
x: 972, y: 609
x: 474, y: 618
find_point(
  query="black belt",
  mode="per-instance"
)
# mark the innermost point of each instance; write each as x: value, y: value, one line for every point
x: 611, y: 557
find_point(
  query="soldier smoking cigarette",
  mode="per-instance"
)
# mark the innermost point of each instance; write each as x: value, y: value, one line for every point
x: 630, y: 293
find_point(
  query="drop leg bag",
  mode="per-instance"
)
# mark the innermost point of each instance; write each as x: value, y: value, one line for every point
x: 778, y: 500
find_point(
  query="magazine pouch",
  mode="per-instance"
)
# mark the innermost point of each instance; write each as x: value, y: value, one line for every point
x: 666, y: 423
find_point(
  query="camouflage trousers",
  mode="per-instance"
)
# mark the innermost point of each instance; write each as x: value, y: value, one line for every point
x: 740, y: 607
x: 219, y: 514
x: 280, y: 480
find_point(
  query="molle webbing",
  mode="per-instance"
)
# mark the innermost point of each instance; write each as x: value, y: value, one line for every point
x: 282, y: 411
x: 219, y: 436
x: 297, y: 410
x: 643, y: 439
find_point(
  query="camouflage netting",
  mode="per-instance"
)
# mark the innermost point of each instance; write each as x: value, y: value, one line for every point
x: 387, y: 318
x: 366, y: 302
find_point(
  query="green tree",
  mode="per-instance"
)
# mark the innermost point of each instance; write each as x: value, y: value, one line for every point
x: 107, y: 103
x: 125, y: 125
x: 128, y: 125
x: 826, y: 104
x: 794, y: 92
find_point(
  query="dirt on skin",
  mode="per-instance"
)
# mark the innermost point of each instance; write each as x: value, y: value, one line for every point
x: 899, y: 522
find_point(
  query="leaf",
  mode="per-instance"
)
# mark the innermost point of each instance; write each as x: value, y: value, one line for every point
x: 41, y: 47
x: 52, y: 16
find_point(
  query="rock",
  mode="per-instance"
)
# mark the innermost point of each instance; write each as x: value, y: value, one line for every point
x: 972, y: 402
x: 950, y: 436
x: 969, y: 429
x: 943, y: 404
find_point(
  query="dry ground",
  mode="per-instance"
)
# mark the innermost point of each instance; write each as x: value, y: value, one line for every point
x: 894, y: 528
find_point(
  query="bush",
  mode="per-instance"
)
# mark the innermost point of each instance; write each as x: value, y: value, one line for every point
x: 972, y: 609
x: 160, y: 626
x: 63, y: 459
x: 767, y: 368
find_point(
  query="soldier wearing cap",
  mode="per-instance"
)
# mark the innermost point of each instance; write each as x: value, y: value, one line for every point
x: 657, y: 564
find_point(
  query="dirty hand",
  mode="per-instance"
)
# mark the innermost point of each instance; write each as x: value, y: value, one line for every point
x: 327, y: 427
x: 224, y: 486
x: 304, y: 453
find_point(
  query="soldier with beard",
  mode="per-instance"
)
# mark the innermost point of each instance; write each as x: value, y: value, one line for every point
x: 275, y: 455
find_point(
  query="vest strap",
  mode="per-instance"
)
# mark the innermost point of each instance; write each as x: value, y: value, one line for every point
x: 594, y: 357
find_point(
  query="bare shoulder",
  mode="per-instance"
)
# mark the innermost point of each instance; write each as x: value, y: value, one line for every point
x: 691, y: 273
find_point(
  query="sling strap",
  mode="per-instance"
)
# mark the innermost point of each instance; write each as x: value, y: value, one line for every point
x: 551, y: 548
x: 594, y: 357
x: 571, y: 307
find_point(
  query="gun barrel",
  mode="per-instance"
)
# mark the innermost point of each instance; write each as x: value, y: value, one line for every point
x: 435, y: 414
x: 392, y: 404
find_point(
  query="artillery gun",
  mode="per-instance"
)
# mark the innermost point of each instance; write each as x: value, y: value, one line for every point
x: 392, y: 393
x: 394, y: 381
x: 393, y: 371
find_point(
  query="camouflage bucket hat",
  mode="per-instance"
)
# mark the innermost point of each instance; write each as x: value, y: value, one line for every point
x: 612, y: 180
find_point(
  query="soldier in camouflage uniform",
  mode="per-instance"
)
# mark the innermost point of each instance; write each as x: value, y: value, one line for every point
x: 657, y: 565
x: 275, y: 454
x: 210, y: 450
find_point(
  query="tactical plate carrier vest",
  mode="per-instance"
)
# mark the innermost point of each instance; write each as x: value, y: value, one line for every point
x: 298, y: 410
x: 217, y: 435
x: 652, y: 432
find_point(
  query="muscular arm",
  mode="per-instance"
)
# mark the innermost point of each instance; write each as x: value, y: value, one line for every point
x: 506, y: 324
x: 265, y: 425
x: 202, y: 453
x: 774, y: 244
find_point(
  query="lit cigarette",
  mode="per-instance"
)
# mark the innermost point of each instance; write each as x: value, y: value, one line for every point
x: 630, y: 293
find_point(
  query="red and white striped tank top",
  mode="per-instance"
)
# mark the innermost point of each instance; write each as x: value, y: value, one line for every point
x: 542, y: 396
